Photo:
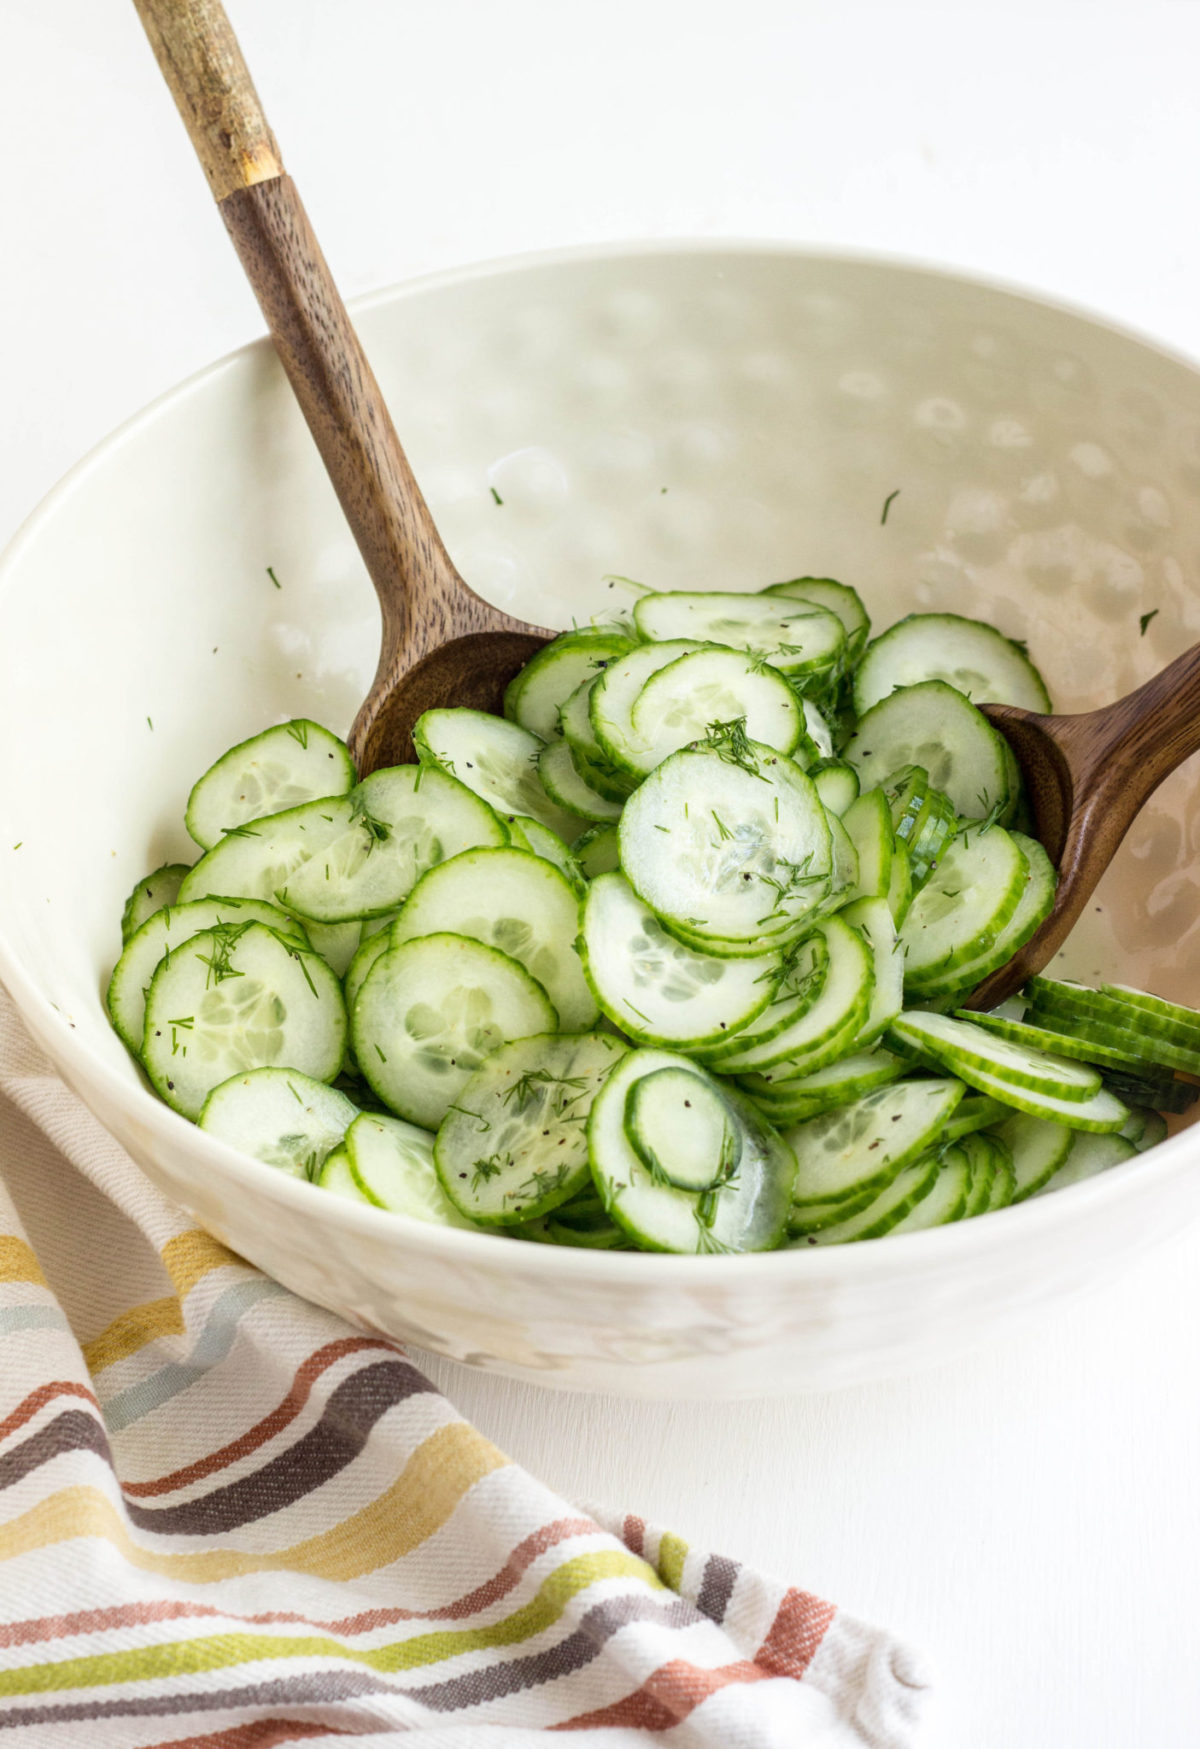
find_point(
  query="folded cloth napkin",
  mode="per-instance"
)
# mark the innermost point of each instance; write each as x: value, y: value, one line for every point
x: 230, y: 1521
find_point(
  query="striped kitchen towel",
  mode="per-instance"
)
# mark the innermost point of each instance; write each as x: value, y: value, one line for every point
x: 230, y: 1521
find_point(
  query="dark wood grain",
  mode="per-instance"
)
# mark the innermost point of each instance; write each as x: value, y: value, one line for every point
x: 1088, y: 777
x: 441, y: 643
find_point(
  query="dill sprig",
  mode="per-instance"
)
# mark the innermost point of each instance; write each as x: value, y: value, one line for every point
x: 730, y: 742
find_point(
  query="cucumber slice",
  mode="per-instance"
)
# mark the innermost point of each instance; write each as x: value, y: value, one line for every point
x: 837, y: 1084
x: 797, y: 638
x: 239, y: 997
x: 885, y: 1212
x: 819, y: 734
x: 682, y: 701
x: 804, y: 968
x: 494, y: 758
x: 356, y: 856
x: 730, y: 842
x: 682, y: 1129
x: 1101, y: 1114
x: 868, y: 821
x: 984, y: 1156
x: 391, y: 1162
x: 280, y: 1117
x: 845, y: 866
x: 837, y: 786
x: 152, y: 894
x: 610, y: 703
x: 1034, y: 906
x: 874, y: 920
x: 365, y: 956
x: 946, y: 1201
x: 336, y: 1176
x: 654, y: 988
x: 526, y: 833
x: 1152, y: 1054
x: 517, y: 903
x: 974, y: 1112
x: 562, y: 782
x: 1089, y: 1156
x: 1004, y: 1186
x: 1172, y: 1095
x: 1040, y: 1038
x: 1181, y: 1024
x: 935, y: 727
x: 337, y: 943
x: 598, y: 852
x: 900, y: 885
x: 513, y: 1146
x: 160, y: 935
x: 534, y: 698
x: 1037, y: 1150
x: 965, y: 904
x: 575, y: 720
x: 430, y: 1011
x: 923, y: 819
x: 1144, y: 1129
x: 836, y: 598
x: 747, y: 1212
x: 844, y: 1152
x: 975, y: 1055
x: 280, y: 769
x: 974, y: 658
x: 825, y: 1030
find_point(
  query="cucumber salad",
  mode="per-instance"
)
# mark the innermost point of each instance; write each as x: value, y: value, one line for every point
x: 671, y: 956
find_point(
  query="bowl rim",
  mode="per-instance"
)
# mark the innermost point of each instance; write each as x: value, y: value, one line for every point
x: 456, y: 1246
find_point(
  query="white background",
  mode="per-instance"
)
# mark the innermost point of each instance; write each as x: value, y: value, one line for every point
x: 1031, y: 1517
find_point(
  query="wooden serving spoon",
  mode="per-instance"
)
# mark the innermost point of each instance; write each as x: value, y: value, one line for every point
x: 1087, y: 778
x: 442, y: 644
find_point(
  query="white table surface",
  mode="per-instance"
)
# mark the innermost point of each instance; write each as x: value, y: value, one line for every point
x: 1032, y: 1516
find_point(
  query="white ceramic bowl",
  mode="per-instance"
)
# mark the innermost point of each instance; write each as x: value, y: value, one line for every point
x: 699, y: 415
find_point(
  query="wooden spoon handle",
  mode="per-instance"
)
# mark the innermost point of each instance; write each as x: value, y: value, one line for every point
x: 1126, y: 749
x: 423, y: 600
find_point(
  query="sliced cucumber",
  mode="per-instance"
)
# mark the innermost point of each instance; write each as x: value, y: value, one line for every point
x: 984, y: 1157
x: 513, y: 1145
x: 837, y: 1084
x: 731, y: 843
x: 682, y: 701
x: 610, y: 703
x: 874, y: 920
x: 528, y: 834
x: 151, y: 895
x: 963, y: 907
x: 837, y: 786
x: 1179, y: 1023
x: 513, y: 901
x: 836, y: 598
x: 946, y: 1201
x: 1102, y: 1113
x: 1089, y: 1156
x: 1040, y: 1038
x: 974, y: 658
x: 923, y: 819
x: 494, y: 758
x: 970, y: 1052
x: 1035, y: 905
x: 847, y: 1151
x: 160, y: 935
x: 1171, y: 1095
x: 974, y: 1112
x: 286, y: 766
x: 1147, y: 1048
x: 1144, y: 1129
x: 1037, y: 1150
x: 935, y: 727
x: 654, y: 988
x: 747, y: 1212
x: 819, y: 734
x: 682, y: 1129
x: 599, y: 851
x: 364, y: 958
x: 237, y: 997
x: 430, y: 1011
x: 590, y: 758
x: 868, y: 820
x: 336, y: 1176
x: 537, y: 694
x: 804, y: 968
x: 900, y: 885
x: 280, y: 1117
x: 337, y: 943
x: 886, y: 1211
x: 825, y: 1030
x: 1004, y: 1185
x: 392, y: 1164
x: 797, y: 638
x: 562, y: 782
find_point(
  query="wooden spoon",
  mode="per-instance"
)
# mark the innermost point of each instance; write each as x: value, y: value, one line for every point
x: 1087, y: 778
x: 441, y: 643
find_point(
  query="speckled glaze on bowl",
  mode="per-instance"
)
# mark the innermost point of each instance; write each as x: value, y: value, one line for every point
x: 697, y: 415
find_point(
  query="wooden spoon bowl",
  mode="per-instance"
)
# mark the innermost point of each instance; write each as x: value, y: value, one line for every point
x: 1087, y: 778
x: 442, y: 644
